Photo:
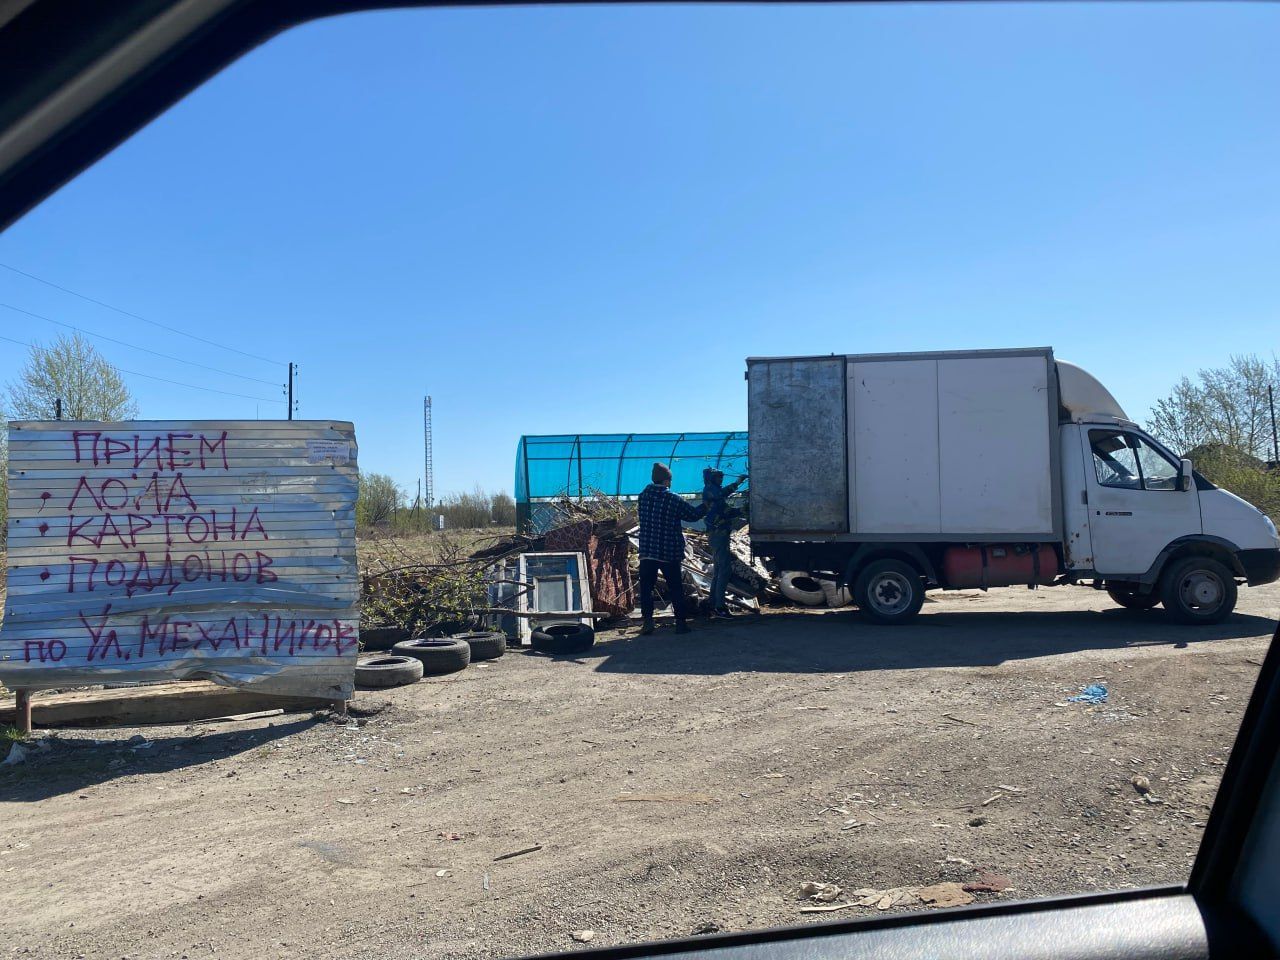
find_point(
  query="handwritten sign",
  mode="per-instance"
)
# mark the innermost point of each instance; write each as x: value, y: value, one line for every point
x: 157, y: 550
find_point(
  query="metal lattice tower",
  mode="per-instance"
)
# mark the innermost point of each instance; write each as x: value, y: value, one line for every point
x: 428, y: 475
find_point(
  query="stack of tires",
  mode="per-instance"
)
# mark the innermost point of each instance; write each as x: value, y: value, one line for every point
x: 810, y: 591
x: 409, y: 661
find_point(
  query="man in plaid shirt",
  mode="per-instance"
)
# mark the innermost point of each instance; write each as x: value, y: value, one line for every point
x: 662, y: 545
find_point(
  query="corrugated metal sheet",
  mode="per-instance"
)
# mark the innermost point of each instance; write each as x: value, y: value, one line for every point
x: 155, y: 550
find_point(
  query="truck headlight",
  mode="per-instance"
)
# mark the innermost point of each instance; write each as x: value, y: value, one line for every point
x: 1270, y: 526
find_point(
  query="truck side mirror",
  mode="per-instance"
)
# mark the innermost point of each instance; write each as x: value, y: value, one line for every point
x: 1186, y: 474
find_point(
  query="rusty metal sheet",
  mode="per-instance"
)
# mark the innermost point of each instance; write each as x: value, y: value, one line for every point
x: 159, y: 550
x: 796, y: 435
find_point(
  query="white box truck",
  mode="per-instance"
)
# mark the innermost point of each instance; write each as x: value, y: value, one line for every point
x: 896, y: 473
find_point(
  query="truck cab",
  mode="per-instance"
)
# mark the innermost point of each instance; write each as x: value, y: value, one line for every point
x: 1143, y: 522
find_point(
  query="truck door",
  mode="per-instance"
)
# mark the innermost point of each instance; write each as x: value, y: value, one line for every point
x: 1136, y: 506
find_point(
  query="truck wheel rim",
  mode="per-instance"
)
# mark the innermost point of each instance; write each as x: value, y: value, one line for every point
x: 1201, y: 590
x: 890, y: 593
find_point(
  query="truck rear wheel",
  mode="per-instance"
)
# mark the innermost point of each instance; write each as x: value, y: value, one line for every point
x: 1129, y: 597
x: 1198, y: 590
x: 889, y: 591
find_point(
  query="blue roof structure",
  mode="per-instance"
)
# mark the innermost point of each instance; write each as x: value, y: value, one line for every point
x: 619, y: 464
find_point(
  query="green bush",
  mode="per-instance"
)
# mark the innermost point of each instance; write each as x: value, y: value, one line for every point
x: 1254, y: 483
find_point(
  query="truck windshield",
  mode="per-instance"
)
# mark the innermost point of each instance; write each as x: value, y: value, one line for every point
x: 1158, y: 472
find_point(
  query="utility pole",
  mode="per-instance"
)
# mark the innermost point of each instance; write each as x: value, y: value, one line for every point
x: 291, y: 390
x: 57, y: 412
x: 1275, y: 440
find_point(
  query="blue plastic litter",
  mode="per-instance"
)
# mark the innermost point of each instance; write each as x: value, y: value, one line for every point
x: 1093, y: 693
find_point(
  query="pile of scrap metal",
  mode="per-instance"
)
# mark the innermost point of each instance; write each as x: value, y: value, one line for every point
x: 583, y: 571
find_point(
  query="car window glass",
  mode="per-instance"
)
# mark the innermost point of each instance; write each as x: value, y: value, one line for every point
x: 1114, y: 462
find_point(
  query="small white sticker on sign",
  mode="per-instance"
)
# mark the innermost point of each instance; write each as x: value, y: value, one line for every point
x: 336, y: 451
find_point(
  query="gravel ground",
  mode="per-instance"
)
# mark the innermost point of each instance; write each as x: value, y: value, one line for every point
x: 674, y: 785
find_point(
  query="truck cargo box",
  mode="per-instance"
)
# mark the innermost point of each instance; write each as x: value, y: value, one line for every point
x: 955, y: 446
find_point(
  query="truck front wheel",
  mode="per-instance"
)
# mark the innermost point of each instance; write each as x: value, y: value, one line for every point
x: 1198, y: 590
x: 889, y: 591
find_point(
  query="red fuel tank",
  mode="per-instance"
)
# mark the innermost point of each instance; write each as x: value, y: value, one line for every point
x: 999, y: 565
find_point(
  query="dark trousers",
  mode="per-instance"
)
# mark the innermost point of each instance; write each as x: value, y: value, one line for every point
x: 718, y: 541
x: 675, y: 586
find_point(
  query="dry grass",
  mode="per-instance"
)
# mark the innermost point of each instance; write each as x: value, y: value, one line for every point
x: 374, y: 547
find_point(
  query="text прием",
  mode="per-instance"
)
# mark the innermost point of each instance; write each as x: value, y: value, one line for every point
x: 170, y: 452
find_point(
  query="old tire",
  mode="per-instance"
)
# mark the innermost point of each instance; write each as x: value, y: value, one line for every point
x: 382, y: 638
x: 1131, y: 599
x: 437, y: 656
x: 889, y: 591
x: 563, y: 638
x: 799, y: 587
x: 1197, y: 590
x: 378, y: 673
x: 835, y: 595
x: 484, y: 646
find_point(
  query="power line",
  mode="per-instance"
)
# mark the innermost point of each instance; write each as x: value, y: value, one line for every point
x: 126, y: 313
x: 134, y: 346
x: 194, y: 386
x: 176, y: 383
x: 11, y: 340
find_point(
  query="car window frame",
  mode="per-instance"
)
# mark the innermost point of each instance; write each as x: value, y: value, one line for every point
x: 1144, y: 442
x: 78, y: 86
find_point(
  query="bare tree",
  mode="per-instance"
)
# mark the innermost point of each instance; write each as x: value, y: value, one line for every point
x: 1225, y: 405
x: 72, y: 371
x: 466, y: 511
x: 502, y: 509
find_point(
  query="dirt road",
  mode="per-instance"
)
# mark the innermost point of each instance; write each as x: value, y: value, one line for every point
x: 674, y: 784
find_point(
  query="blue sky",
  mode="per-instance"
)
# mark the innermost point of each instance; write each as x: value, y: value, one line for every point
x: 584, y: 219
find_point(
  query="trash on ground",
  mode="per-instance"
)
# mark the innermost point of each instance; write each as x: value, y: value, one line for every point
x: 343, y: 800
x: 1093, y: 693
x: 18, y: 753
x: 828, y: 907
x: 235, y: 717
x: 987, y: 882
x: 1002, y: 791
x: 583, y: 936
x: 823, y: 892
x: 518, y: 853
x: 886, y: 899
x: 948, y: 894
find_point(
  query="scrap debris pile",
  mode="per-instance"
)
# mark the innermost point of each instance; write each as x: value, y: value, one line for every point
x: 585, y: 568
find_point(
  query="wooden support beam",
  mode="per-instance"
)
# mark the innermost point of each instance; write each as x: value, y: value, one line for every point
x: 22, y: 711
x: 177, y: 702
